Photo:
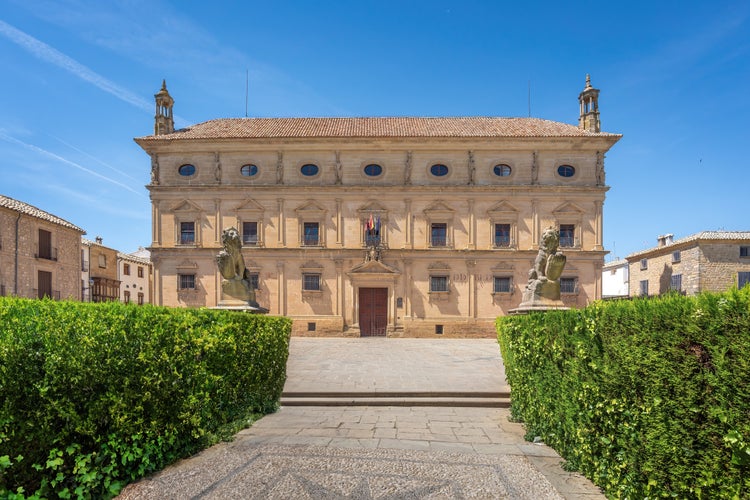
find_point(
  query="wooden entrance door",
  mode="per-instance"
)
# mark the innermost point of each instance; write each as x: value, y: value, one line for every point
x: 373, y: 311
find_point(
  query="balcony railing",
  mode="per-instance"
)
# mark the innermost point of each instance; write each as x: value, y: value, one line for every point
x: 310, y: 241
x: 438, y: 241
x: 46, y: 253
x: 54, y: 294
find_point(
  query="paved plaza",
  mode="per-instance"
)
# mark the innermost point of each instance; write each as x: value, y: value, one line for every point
x: 372, y: 452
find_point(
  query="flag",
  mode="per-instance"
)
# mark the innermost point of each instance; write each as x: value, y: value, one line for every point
x: 377, y: 226
x: 370, y: 224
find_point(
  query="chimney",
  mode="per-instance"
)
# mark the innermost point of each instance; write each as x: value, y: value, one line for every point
x: 665, y: 239
x: 99, y: 240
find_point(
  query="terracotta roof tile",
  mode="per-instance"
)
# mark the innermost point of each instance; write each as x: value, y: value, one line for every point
x: 31, y: 210
x: 242, y: 128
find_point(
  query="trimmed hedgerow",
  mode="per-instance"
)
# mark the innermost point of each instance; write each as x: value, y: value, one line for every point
x: 94, y: 396
x: 648, y: 398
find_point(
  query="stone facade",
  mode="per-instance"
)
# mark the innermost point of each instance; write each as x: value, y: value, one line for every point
x: 135, y: 278
x: 104, y: 278
x: 39, y: 253
x: 459, y: 203
x: 710, y: 261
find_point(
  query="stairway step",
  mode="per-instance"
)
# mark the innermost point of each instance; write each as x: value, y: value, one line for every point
x: 450, y: 399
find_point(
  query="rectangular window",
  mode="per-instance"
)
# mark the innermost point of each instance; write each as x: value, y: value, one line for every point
x: 568, y: 285
x: 644, y: 264
x: 253, y: 279
x: 186, y: 281
x: 126, y: 269
x: 644, y: 288
x: 126, y: 297
x: 438, y: 283
x: 140, y: 271
x: 311, y: 282
x: 311, y: 236
x: 567, y: 235
x: 676, y: 282
x: 102, y: 261
x: 140, y: 299
x: 187, y: 233
x: 502, y: 235
x: 676, y: 256
x: 502, y: 284
x: 744, y: 251
x: 438, y: 234
x: 250, y: 233
x: 743, y: 278
x: 45, y: 245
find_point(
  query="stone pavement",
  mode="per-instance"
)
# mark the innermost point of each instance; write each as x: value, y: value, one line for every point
x: 378, y: 451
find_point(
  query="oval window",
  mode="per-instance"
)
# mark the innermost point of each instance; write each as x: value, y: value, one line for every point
x: 502, y: 170
x: 566, y: 171
x: 309, y: 170
x: 186, y: 170
x: 439, y: 170
x: 249, y: 170
x: 373, y: 170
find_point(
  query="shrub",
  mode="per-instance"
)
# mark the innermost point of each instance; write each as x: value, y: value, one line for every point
x: 648, y: 398
x: 97, y: 395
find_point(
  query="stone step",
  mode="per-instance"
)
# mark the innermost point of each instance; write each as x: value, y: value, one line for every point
x: 449, y: 399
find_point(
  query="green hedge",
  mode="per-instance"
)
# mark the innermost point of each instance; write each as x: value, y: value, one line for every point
x: 647, y: 398
x: 97, y: 395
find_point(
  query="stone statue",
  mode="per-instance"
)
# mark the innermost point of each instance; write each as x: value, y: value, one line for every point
x: 339, y: 168
x: 235, y: 287
x: 599, y: 168
x: 534, y: 168
x: 154, y: 169
x: 543, y: 288
x: 217, y: 167
x: 407, y: 169
x: 280, y: 168
x: 472, y: 168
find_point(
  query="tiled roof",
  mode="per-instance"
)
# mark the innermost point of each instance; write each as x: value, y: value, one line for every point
x: 243, y: 128
x: 32, y: 211
x: 702, y: 236
x: 133, y: 258
x: 615, y: 264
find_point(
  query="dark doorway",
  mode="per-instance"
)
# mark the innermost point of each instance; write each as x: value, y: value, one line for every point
x: 373, y: 312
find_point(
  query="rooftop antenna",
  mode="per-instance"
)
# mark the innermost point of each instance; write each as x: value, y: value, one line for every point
x: 247, y: 84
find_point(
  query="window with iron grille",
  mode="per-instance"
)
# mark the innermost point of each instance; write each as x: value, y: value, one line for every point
x: 568, y: 285
x: 676, y: 282
x: 567, y: 235
x: 438, y: 234
x: 502, y: 284
x: 187, y: 233
x: 311, y: 234
x: 502, y: 235
x: 438, y: 283
x: 186, y: 281
x: 311, y: 282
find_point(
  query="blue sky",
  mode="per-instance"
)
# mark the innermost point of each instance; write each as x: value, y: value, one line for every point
x: 79, y: 78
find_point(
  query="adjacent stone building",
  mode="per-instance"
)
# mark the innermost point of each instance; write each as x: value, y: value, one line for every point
x: 372, y: 226
x: 39, y: 253
x: 135, y: 278
x: 709, y: 261
x: 104, y: 279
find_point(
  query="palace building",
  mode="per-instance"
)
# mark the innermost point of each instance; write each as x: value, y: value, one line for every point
x: 400, y: 226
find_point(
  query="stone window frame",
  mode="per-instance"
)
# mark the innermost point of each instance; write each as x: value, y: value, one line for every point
x: 503, y: 213
x: 440, y: 214
x: 676, y: 256
x: 644, y: 264
x: 311, y: 213
x: 140, y: 272
x: 366, y: 164
x: 570, y: 214
x: 250, y: 211
x: 675, y: 282
x: 314, y: 176
x: 311, y: 269
x: 447, y: 175
x: 125, y: 269
x: 141, y: 298
x: 496, y: 277
x: 187, y: 212
x: 502, y: 163
x: 570, y: 279
x: 439, y: 270
x: 183, y: 279
x: 574, y: 174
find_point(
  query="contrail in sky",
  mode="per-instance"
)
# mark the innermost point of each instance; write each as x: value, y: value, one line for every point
x: 46, y: 53
x: 44, y: 152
